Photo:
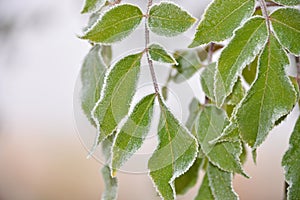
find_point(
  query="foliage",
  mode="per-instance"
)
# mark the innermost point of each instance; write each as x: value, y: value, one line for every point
x: 256, y: 46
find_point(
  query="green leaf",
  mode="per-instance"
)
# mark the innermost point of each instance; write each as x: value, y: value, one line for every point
x: 106, y: 54
x: 132, y: 134
x: 158, y: 53
x: 111, y: 185
x: 167, y: 19
x: 175, y: 154
x: 207, y: 80
x: 117, y: 93
x: 194, y: 109
x: 270, y: 97
x: 116, y: 24
x: 189, y: 179
x: 288, y: 2
x: 204, y: 192
x: 291, y: 164
x: 237, y: 94
x: 286, y: 24
x: 221, y: 18
x: 220, y: 183
x: 92, y: 76
x: 241, y: 51
x: 249, y: 72
x: 188, y: 63
x: 225, y: 155
x: 92, y: 5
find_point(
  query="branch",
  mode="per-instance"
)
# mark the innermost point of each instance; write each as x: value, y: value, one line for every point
x: 264, y: 10
x: 147, y: 41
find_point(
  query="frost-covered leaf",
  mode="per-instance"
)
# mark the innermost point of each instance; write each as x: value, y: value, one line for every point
x: 225, y: 154
x: 188, y: 63
x: 175, y: 154
x: 158, y: 53
x: 207, y: 80
x: 204, y: 192
x: 132, y: 134
x: 189, y: 179
x: 220, y: 183
x: 270, y: 97
x: 106, y: 54
x: 291, y: 164
x: 241, y: 51
x: 92, y: 5
x: 92, y: 76
x: 194, y: 109
x: 111, y: 185
x: 116, y: 24
x: 221, y: 18
x: 237, y: 94
x: 117, y: 93
x: 286, y: 24
x: 167, y: 19
x: 288, y: 2
x: 249, y: 72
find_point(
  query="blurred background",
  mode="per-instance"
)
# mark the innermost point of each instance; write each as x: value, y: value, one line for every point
x: 41, y: 154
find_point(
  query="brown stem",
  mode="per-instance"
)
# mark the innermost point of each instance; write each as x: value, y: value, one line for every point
x: 147, y: 41
x: 210, y: 52
x: 298, y: 71
x: 264, y: 10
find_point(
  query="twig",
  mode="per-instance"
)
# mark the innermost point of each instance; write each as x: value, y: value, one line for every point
x: 147, y: 41
x: 298, y: 71
x: 265, y: 14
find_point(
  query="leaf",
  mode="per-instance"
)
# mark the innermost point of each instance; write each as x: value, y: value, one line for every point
x: 194, y: 109
x: 111, y: 185
x: 237, y: 94
x: 116, y: 24
x: 221, y: 18
x: 158, y: 53
x: 92, y: 5
x: 249, y: 72
x: 286, y: 24
x: 207, y: 81
x: 92, y: 76
x: 189, y: 179
x: 106, y: 54
x: 291, y: 164
x: 167, y: 19
x: 270, y: 97
x: 204, y: 192
x: 132, y: 134
x: 119, y: 88
x: 220, y: 183
x: 188, y: 63
x: 225, y: 155
x: 287, y: 2
x: 241, y: 51
x: 175, y: 154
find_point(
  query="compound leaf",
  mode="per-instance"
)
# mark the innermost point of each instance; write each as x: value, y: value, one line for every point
x: 286, y: 24
x: 117, y: 93
x: 291, y: 163
x: 111, y: 185
x: 167, y: 19
x: 132, y: 134
x: 241, y: 51
x: 92, y: 76
x: 220, y: 183
x: 116, y: 24
x: 92, y: 5
x: 221, y: 18
x: 225, y: 155
x: 270, y: 97
x: 159, y: 54
x: 175, y: 154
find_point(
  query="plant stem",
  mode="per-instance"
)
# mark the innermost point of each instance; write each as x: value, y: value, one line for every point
x: 298, y: 71
x: 210, y: 52
x: 147, y: 41
x: 265, y: 14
